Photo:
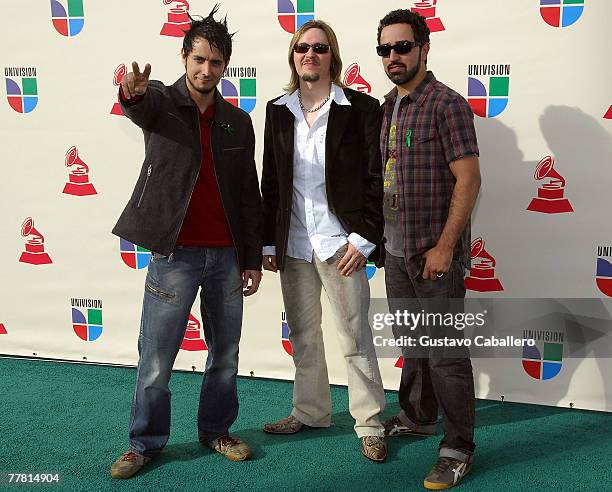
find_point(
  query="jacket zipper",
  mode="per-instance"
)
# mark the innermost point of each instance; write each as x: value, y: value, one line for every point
x: 192, y: 185
x: 145, y: 186
x: 219, y: 188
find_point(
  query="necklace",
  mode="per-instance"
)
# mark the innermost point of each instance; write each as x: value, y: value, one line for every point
x: 313, y: 110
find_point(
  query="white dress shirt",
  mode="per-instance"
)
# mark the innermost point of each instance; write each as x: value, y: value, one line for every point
x: 313, y: 227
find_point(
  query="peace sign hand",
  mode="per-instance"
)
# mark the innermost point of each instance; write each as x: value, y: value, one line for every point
x: 135, y: 83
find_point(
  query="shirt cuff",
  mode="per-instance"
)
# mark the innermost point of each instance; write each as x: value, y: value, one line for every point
x: 364, y: 246
x: 269, y: 250
x: 129, y: 102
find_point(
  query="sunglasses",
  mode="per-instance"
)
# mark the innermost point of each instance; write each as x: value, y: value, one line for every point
x: 318, y: 48
x: 400, y: 48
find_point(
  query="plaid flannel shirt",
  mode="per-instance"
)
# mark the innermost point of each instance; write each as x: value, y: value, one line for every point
x: 440, y: 123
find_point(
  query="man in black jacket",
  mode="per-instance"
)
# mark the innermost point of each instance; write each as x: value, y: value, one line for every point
x: 322, y: 192
x: 197, y: 207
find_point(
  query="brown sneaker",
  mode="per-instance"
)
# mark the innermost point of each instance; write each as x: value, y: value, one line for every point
x: 374, y: 448
x: 128, y: 464
x: 231, y: 447
x: 289, y: 425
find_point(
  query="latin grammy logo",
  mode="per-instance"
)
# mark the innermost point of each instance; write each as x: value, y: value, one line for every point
x: 193, y: 341
x: 178, y: 19
x: 34, y: 253
x: 78, y: 179
x: 608, y: 115
x: 119, y: 74
x: 550, y: 198
x: 3, y: 329
x: 428, y: 10
x: 482, y: 273
x: 353, y: 77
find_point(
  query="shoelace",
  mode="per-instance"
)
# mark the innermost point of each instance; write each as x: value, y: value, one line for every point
x: 225, y: 441
x: 129, y: 456
x: 443, y: 463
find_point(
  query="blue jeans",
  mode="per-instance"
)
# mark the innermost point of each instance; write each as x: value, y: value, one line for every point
x: 171, y: 287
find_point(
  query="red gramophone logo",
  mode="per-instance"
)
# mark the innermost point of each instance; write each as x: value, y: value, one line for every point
x: 178, y: 19
x: 482, y: 273
x: 120, y: 72
x: 3, y: 329
x: 34, y: 253
x: 608, y: 115
x: 399, y: 363
x: 352, y: 77
x: 78, y: 179
x: 193, y: 341
x: 550, y: 198
x: 428, y: 10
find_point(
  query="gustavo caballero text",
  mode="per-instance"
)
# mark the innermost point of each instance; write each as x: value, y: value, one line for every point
x: 477, y: 341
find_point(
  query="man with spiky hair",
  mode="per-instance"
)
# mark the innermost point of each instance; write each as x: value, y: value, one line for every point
x: 196, y: 206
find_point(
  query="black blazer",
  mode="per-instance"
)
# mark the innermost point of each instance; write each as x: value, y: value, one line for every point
x: 353, y: 169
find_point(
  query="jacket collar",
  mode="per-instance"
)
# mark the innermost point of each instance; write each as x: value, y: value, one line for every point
x: 182, y: 97
x: 419, y: 94
x: 339, y: 115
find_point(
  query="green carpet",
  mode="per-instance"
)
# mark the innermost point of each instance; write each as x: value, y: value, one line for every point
x: 73, y: 419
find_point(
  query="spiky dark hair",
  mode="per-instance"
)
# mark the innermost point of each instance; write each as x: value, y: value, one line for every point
x: 213, y: 31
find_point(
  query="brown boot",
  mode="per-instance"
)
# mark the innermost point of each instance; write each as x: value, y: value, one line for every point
x: 128, y: 464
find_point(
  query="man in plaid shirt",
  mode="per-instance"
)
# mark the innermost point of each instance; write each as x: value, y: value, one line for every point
x: 432, y: 179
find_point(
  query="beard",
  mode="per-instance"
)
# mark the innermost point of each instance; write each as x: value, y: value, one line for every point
x: 310, y: 77
x: 206, y: 90
x: 406, y: 76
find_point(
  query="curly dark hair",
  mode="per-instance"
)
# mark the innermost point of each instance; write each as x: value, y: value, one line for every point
x: 215, y: 32
x: 405, y: 16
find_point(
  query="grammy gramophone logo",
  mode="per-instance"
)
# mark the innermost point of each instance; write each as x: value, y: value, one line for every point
x: 34, y: 252
x: 482, y: 273
x: 354, y: 79
x: 193, y: 341
x: 178, y: 21
x: 78, y: 178
x: 550, y: 199
x: 427, y: 9
x: 120, y: 72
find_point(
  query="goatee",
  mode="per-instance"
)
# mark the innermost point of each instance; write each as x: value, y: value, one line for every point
x: 310, y: 77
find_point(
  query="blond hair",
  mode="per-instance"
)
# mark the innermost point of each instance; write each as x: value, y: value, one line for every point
x: 335, y: 67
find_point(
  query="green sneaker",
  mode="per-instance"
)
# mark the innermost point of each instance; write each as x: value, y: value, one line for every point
x: 231, y: 447
x: 128, y: 464
x: 446, y: 473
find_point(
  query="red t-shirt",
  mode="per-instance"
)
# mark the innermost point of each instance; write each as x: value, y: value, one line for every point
x: 205, y: 223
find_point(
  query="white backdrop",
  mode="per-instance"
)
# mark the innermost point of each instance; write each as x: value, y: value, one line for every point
x: 62, y: 57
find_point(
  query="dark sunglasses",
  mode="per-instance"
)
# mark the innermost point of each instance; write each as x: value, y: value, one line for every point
x: 400, y: 48
x: 318, y: 48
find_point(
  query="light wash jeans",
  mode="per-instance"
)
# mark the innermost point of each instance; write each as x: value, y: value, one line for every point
x: 301, y: 283
x: 170, y: 289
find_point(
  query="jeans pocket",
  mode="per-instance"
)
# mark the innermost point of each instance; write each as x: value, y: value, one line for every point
x: 160, y: 293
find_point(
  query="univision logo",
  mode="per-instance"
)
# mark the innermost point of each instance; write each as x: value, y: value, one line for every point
x: 136, y: 257
x: 21, y: 88
x: 561, y: 13
x: 290, y: 18
x: 543, y: 360
x: 68, y: 24
x: 285, y: 331
x: 604, y: 270
x: 87, y: 318
x: 239, y: 87
x: 488, y: 89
